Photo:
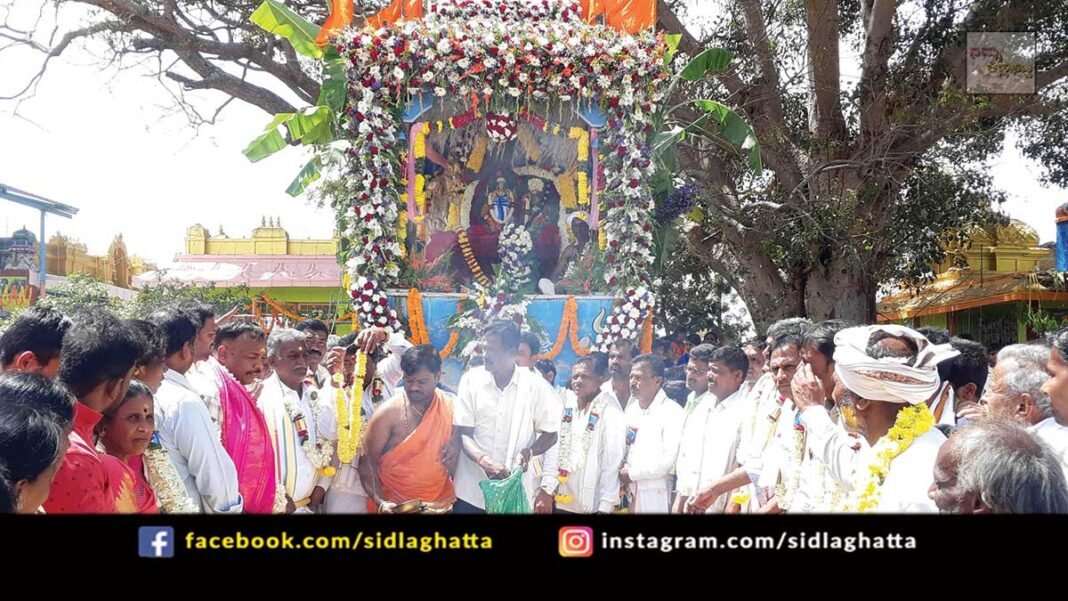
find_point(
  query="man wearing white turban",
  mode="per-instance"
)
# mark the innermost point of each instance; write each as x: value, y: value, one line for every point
x: 884, y: 452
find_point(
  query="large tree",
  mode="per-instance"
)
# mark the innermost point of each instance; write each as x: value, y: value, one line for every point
x: 861, y: 175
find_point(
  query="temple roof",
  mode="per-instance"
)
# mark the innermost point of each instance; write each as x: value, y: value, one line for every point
x: 256, y: 271
x: 960, y: 290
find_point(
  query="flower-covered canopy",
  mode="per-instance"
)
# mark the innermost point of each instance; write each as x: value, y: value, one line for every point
x: 504, y: 57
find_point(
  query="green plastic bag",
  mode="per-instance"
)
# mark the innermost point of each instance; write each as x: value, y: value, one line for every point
x: 506, y: 496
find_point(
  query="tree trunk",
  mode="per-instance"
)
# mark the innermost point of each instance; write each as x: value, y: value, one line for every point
x: 840, y: 291
x: 768, y: 296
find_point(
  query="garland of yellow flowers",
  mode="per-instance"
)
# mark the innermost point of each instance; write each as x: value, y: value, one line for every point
x: 911, y: 423
x: 583, y: 184
x: 416, y: 320
x: 419, y: 144
x: 469, y: 256
x: 582, y: 142
x: 478, y: 154
x: 349, y: 415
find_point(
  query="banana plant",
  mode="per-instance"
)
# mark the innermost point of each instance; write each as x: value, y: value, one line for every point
x: 717, y: 121
x: 318, y: 125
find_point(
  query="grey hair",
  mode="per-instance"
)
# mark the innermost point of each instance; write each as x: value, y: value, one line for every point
x: 280, y: 337
x: 1011, y: 469
x: 1026, y: 373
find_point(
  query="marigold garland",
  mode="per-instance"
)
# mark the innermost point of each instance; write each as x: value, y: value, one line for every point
x: 646, y: 344
x: 478, y: 154
x: 569, y: 327
x: 576, y: 346
x: 582, y: 184
x: 565, y: 185
x: 450, y: 346
x: 582, y: 141
x: 420, y: 141
x: 911, y: 423
x: 349, y: 416
x: 416, y: 320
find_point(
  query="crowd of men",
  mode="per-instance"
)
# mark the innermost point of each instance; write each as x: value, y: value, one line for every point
x: 179, y: 413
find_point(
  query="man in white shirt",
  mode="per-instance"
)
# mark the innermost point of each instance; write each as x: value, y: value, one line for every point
x: 620, y: 354
x: 292, y: 409
x: 592, y: 442
x: 185, y: 427
x: 885, y: 375
x: 504, y: 415
x: 656, y: 422
x: 765, y: 404
x: 693, y: 426
x: 1015, y: 393
x: 317, y: 334
x: 717, y: 430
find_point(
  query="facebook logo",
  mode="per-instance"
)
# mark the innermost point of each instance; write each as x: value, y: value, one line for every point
x: 155, y: 541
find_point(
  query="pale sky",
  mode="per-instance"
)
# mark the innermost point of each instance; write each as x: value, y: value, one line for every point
x: 101, y: 142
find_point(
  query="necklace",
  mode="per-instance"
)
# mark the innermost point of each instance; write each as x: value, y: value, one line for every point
x: 408, y: 406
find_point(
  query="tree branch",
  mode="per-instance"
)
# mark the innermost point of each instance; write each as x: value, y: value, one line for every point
x: 827, y: 118
x: 1050, y: 76
x: 215, y: 78
x: 669, y: 22
x: 59, y: 48
x: 770, y: 121
x: 877, y: 50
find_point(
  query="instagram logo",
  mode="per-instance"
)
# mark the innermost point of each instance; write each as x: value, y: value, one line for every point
x: 576, y: 541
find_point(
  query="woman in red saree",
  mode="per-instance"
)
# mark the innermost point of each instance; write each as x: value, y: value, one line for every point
x: 125, y: 434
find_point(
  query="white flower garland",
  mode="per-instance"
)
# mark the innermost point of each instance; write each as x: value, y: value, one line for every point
x: 171, y: 494
x: 566, y: 468
x: 321, y: 451
x: 790, y: 472
x: 512, y: 55
x: 372, y: 305
x: 514, y: 249
x: 627, y: 319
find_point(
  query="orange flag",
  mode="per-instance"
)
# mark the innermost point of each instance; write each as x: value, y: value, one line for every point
x: 341, y: 13
x: 591, y: 9
x: 413, y: 9
x: 396, y: 11
x: 387, y: 15
x: 631, y: 16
